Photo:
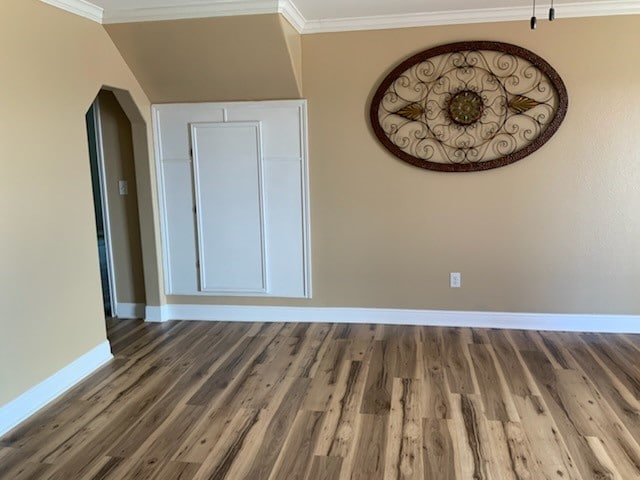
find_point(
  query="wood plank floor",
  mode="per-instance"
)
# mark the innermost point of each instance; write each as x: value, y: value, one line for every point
x: 191, y: 400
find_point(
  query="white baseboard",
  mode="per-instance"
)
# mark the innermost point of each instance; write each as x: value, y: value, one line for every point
x: 18, y: 410
x: 157, y: 314
x: 445, y: 318
x: 130, y: 310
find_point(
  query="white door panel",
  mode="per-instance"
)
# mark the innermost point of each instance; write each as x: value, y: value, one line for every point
x: 280, y: 127
x: 180, y: 239
x: 227, y: 159
x: 174, y: 127
x: 284, y: 227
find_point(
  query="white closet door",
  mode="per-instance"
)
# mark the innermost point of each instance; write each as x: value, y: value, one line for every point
x: 234, y: 199
x: 227, y: 161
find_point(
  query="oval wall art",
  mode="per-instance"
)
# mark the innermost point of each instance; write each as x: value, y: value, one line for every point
x: 468, y: 106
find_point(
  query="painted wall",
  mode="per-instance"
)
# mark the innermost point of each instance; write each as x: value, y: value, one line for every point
x: 556, y: 232
x: 294, y: 46
x: 53, y: 65
x: 123, y: 209
x: 210, y: 59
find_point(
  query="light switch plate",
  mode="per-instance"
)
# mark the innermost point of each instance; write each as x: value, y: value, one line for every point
x: 123, y: 187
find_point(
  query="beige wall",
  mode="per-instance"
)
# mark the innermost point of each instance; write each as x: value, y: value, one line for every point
x: 294, y: 47
x: 53, y: 65
x: 556, y: 232
x: 210, y: 59
x: 123, y: 209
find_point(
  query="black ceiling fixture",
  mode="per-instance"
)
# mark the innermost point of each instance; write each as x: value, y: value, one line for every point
x: 534, y: 19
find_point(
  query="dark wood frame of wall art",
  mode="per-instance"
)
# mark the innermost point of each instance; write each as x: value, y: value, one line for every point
x: 539, y: 141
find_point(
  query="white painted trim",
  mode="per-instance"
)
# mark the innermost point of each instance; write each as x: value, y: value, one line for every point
x: 104, y: 198
x: 224, y: 8
x: 130, y: 310
x: 164, y: 231
x: 306, y: 200
x: 156, y: 314
x: 289, y: 10
x: 595, y: 9
x: 106, y: 216
x: 483, y: 15
x: 18, y: 410
x: 444, y: 318
x: 79, y: 7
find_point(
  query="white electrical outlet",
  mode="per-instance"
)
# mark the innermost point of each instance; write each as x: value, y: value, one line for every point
x: 123, y: 187
x: 455, y: 280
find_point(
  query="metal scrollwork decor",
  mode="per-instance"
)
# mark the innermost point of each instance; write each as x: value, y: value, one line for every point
x: 468, y: 106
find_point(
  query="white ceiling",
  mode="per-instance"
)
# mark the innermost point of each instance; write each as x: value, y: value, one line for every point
x: 310, y: 16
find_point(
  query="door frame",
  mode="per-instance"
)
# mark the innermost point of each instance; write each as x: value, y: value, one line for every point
x: 104, y: 199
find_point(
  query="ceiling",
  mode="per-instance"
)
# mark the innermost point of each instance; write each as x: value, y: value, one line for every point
x: 310, y: 16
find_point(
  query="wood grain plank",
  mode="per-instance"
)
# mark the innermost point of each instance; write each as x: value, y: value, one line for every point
x: 261, y: 386
x: 74, y: 435
x: 234, y: 364
x: 471, y: 419
x: 368, y: 462
x: 202, y: 400
x: 226, y: 449
x: 340, y: 428
x: 404, y: 437
x: 435, y: 389
x: 514, y: 371
x: 456, y: 363
x: 625, y: 406
x: 619, y: 361
x: 438, y: 453
x: 523, y: 340
x: 177, y: 471
x: 377, y: 397
x: 545, y: 439
x: 108, y: 428
x: 601, y: 454
x: 525, y: 464
x: 489, y: 382
x: 294, y: 462
x: 325, y: 468
x: 593, y: 417
x: 265, y: 458
x: 404, y: 346
x: 324, y: 382
x: 30, y: 471
x: 546, y: 377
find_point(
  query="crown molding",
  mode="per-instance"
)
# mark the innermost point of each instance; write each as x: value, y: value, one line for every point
x: 600, y: 9
x: 289, y: 10
x: 485, y: 15
x: 225, y: 8
x: 79, y: 7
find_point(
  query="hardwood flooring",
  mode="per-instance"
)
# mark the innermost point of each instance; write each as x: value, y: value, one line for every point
x: 196, y: 401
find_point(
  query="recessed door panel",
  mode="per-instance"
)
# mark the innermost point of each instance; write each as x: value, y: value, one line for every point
x: 227, y: 159
x: 180, y: 237
x: 285, y: 227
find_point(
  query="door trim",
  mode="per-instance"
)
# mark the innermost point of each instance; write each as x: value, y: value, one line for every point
x: 104, y: 198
